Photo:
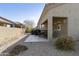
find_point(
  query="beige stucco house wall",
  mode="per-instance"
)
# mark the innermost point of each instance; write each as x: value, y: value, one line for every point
x: 71, y: 11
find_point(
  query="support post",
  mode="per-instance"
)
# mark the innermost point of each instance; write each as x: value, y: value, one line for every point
x: 50, y: 28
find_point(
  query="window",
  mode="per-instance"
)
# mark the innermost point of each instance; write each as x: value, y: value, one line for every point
x: 59, y: 27
x: 42, y: 25
x: 8, y: 25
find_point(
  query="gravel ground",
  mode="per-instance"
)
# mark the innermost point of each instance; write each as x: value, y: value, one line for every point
x: 42, y: 49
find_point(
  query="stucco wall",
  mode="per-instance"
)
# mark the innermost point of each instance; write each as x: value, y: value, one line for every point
x: 9, y: 35
x: 66, y: 10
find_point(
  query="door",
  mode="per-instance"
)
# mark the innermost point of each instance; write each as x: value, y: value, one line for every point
x: 59, y: 26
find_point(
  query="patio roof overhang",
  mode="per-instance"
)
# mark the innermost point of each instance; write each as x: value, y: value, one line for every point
x: 48, y: 7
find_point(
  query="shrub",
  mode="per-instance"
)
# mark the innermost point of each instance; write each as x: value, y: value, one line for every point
x: 65, y: 43
x: 17, y: 49
x: 28, y: 30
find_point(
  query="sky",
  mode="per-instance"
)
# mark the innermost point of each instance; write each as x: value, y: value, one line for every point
x: 18, y: 12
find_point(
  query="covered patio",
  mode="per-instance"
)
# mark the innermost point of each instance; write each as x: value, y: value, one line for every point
x: 55, y: 27
x: 44, y: 28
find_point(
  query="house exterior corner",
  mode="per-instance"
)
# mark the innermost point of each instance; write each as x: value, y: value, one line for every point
x: 61, y: 17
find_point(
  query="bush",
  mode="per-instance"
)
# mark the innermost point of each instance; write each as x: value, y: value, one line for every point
x: 65, y: 43
x: 17, y: 49
x: 28, y: 30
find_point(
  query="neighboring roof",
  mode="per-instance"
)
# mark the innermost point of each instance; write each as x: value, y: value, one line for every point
x: 2, y: 19
x: 18, y: 23
x: 48, y: 7
x: 6, y: 20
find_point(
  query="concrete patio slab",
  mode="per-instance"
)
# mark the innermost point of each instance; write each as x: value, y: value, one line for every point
x: 34, y: 38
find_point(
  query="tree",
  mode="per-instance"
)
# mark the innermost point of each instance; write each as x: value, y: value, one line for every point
x: 29, y: 25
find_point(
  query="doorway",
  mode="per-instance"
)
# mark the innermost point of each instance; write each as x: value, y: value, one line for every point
x: 59, y: 26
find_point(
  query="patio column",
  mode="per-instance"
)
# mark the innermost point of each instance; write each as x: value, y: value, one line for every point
x: 50, y: 28
x: 13, y: 25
